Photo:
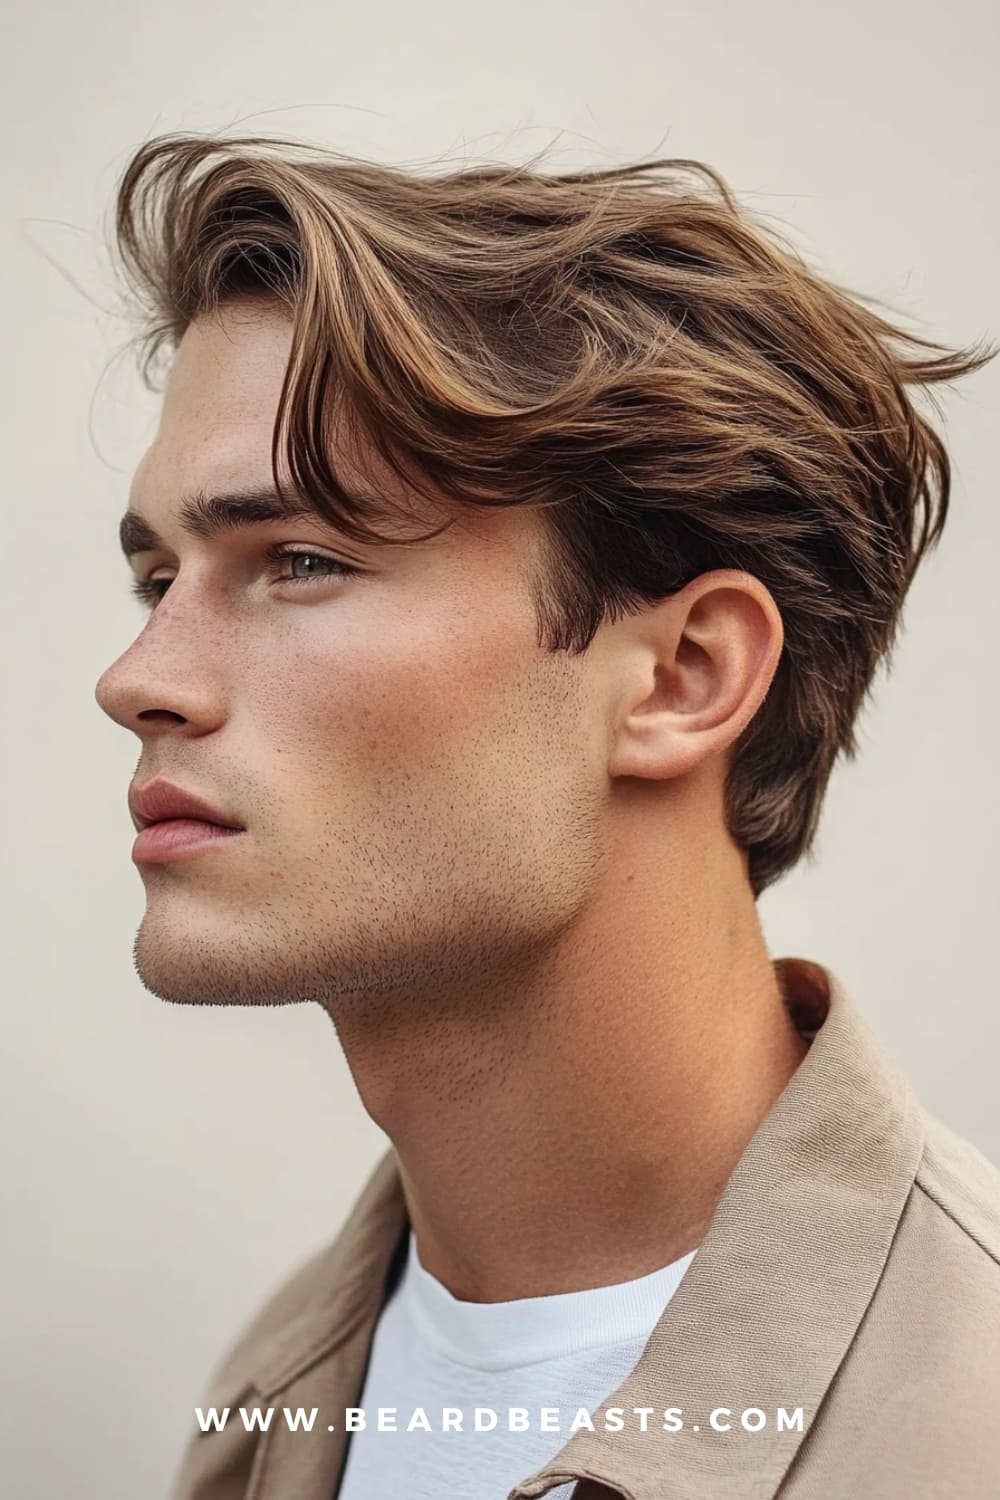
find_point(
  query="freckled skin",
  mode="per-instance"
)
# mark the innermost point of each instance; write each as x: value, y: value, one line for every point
x: 505, y: 873
x: 412, y: 768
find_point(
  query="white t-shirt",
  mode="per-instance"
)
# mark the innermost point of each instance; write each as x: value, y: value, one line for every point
x: 432, y: 1351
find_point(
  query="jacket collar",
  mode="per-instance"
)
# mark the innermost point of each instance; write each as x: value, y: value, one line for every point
x: 766, y: 1310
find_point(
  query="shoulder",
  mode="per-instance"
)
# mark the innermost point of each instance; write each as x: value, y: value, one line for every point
x: 942, y: 1277
x: 930, y: 1340
x: 310, y: 1307
x: 965, y: 1187
x: 295, y: 1296
x: 915, y: 1406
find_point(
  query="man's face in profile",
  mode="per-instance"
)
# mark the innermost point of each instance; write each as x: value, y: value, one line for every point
x: 420, y: 784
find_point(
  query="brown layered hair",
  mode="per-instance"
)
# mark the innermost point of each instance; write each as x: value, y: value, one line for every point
x: 628, y: 349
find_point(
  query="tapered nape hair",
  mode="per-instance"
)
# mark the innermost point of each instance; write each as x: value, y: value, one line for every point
x: 627, y: 349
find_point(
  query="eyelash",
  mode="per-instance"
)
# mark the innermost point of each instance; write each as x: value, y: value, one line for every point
x: 148, y: 590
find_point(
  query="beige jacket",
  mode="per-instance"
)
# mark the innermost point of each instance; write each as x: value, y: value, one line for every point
x: 852, y: 1268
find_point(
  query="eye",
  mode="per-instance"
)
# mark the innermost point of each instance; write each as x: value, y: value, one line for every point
x: 148, y: 589
x: 151, y: 590
x: 330, y: 567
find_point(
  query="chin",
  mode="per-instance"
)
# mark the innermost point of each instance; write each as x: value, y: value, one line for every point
x: 186, y: 970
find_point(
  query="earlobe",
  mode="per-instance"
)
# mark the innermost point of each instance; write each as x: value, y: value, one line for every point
x: 708, y: 656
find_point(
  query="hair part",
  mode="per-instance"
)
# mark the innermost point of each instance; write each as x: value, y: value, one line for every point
x: 627, y: 349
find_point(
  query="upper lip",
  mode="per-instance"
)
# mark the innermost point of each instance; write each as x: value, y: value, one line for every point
x: 157, y: 800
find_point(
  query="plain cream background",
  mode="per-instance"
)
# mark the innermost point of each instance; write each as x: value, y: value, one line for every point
x: 165, y: 1166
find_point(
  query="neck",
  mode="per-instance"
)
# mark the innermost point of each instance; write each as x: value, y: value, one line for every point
x: 575, y: 1127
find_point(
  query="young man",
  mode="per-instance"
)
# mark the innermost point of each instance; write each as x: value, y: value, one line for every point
x: 519, y: 552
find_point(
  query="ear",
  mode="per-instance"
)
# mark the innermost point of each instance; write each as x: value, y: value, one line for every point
x: 695, y: 668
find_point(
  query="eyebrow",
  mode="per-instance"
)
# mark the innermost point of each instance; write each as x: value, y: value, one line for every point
x: 207, y: 516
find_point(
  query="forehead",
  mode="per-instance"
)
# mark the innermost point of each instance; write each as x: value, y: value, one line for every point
x: 219, y: 406
x: 217, y: 422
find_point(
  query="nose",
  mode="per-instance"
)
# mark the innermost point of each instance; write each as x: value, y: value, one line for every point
x: 156, y: 687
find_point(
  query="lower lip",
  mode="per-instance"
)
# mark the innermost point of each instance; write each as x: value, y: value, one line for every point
x: 178, y: 838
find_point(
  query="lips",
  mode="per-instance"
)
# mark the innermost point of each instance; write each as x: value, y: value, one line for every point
x: 159, y: 801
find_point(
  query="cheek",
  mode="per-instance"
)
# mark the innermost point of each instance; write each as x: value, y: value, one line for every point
x: 403, y: 697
